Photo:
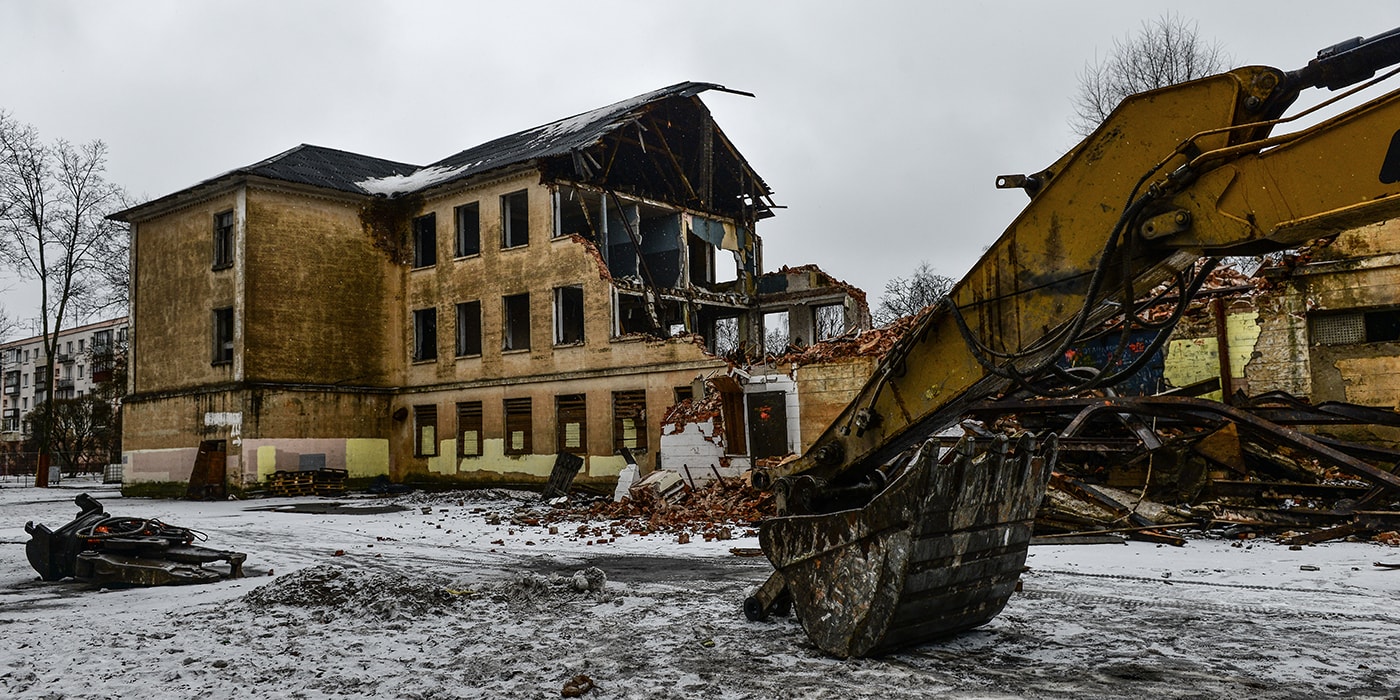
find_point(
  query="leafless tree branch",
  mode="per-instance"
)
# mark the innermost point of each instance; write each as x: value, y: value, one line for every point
x: 1165, y: 51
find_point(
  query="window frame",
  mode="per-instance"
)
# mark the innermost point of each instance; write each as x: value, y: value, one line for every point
x: 222, y: 336
x: 470, y: 415
x: 223, y: 240
x: 425, y: 335
x: 508, y: 338
x: 515, y: 205
x: 425, y: 240
x: 464, y: 233
x: 518, y: 413
x: 624, y: 406
x: 463, y: 336
x: 568, y: 409
x: 562, y: 308
x: 425, y: 417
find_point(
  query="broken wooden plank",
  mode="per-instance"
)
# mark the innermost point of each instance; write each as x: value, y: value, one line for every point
x: 1330, y: 533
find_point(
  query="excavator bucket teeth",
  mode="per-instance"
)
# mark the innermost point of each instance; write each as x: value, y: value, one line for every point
x: 937, y: 552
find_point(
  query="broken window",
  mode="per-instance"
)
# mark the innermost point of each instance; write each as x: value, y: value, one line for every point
x: 518, y: 426
x: 424, y: 335
x: 468, y: 217
x: 223, y: 336
x: 829, y: 320
x: 223, y: 240
x: 469, y: 429
x: 515, y: 328
x: 724, y: 336
x: 1349, y: 327
x: 577, y: 212
x: 630, y: 420
x: 617, y: 246
x: 684, y: 393
x: 661, y: 245
x: 515, y: 219
x: 468, y: 328
x: 425, y: 431
x: 572, y: 411
x: 630, y: 315
x: 775, y: 332
x: 425, y: 240
x: 702, y: 260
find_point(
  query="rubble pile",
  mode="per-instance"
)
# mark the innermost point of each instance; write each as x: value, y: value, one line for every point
x: 719, y: 510
x: 384, y: 594
x: 872, y: 343
x: 1143, y: 466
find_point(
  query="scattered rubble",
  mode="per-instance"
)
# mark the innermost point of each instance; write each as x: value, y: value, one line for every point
x: 1140, y: 466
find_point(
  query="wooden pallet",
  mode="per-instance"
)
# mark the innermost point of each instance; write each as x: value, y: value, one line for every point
x: 319, y: 482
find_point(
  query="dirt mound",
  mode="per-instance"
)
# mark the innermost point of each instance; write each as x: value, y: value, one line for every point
x: 384, y: 594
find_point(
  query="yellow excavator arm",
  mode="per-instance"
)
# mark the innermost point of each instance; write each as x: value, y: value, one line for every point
x: 1171, y: 176
x: 882, y: 538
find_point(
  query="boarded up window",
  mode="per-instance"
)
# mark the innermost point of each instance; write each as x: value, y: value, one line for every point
x: 469, y: 429
x: 518, y: 427
x: 572, y: 423
x: 630, y: 420
x: 425, y: 431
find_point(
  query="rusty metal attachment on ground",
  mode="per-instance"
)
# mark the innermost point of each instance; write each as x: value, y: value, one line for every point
x: 936, y: 551
x: 100, y: 548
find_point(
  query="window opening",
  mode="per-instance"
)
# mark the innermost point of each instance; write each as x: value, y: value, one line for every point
x: 568, y: 315
x: 425, y: 240
x: 775, y: 333
x: 468, y: 218
x: 829, y: 321
x: 515, y: 219
x: 469, y: 328
x: 515, y: 331
x: 223, y: 336
x: 223, y: 240
x: 577, y: 212
x: 424, y: 335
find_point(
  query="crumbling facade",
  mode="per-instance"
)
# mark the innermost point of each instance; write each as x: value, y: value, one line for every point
x: 552, y: 291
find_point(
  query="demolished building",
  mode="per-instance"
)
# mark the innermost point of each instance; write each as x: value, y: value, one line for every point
x: 548, y: 292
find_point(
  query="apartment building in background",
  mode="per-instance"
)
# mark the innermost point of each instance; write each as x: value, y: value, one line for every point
x: 552, y: 291
x: 86, y: 357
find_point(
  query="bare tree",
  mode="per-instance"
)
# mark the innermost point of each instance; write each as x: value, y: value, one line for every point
x: 54, y: 200
x: 1165, y: 51
x: 78, y: 430
x: 906, y: 296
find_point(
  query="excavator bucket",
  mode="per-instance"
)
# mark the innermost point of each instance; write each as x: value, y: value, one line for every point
x: 938, y: 551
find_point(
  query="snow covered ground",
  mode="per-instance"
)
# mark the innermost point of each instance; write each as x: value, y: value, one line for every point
x: 434, y: 601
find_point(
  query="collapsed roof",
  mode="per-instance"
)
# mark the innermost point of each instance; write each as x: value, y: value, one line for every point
x: 663, y: 143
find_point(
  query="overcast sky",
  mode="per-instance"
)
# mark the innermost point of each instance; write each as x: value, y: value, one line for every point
x: 879, y: 125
